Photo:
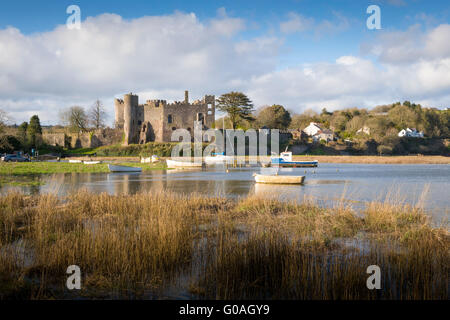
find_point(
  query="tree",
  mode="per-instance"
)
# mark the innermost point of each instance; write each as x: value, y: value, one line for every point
x: 237, y: 105
x: 75, y: 118
x: 97, y: 115
x: 22, y: 132
x: 274, y: 117
x: 34, y: 131
x: 3, y: 120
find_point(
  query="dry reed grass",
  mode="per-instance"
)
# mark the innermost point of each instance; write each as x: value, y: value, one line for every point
x: 136, y: 246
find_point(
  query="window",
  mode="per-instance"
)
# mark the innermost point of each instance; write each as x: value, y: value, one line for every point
x: 209, y: 112
x: 139, y: 123
x: 200, y: 118
x: 209, y: 105
x: 169, y: 118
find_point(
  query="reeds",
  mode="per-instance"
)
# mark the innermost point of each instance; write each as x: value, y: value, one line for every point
x: 139, y: 246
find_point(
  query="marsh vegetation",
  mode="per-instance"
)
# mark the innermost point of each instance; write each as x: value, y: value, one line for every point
x: 167, y: 245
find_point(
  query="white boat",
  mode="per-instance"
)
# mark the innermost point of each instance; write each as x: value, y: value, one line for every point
x: 152, y: 159
x: 218, y: 158
x: 276, y: 179
x: 114, y: 168
x: 75, y: 161
x: 92, y: 162
x: 183, y: 164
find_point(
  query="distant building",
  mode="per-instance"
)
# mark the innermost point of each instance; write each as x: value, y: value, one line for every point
x: 312, y: 129
x: 410, y: 133
x: 324, y: 134
x: 365, y: 130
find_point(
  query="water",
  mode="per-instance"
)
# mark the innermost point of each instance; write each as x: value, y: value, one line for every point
x: 354, y: 183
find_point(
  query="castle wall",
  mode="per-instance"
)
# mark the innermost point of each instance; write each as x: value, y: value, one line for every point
x: 150, y: 121
x: 119, y: 112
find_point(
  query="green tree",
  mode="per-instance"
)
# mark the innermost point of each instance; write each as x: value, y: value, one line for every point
x: 274, y: 117
x: 34, y: 131
x: 237, y: 105
x: 22, y: 132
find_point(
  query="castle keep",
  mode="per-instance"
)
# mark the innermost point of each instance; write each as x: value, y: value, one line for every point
x: 156, y: 119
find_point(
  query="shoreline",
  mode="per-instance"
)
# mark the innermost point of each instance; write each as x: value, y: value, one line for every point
x: 325, y: 159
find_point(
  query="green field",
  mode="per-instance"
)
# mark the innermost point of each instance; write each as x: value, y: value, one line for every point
x: 33, y: 168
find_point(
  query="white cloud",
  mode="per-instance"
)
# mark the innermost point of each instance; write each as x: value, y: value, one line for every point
x: 111, y: 56
x: 161, y: 56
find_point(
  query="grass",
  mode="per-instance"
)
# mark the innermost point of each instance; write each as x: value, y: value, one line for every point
x: 144, y: 245
x: 34, y: 168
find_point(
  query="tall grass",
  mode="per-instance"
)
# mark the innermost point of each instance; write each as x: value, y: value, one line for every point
x: 144, y: 245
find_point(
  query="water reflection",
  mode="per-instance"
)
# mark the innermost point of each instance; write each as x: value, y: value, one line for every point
x: 326, y: 184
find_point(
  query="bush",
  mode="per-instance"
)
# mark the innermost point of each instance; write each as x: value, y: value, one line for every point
x: 9, y: 144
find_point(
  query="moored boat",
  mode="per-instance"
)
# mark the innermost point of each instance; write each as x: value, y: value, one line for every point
x: 115, y: 168
x: 92, y: 162
x: 285, y: 160
x: 218, y: 158
x: 75, y: 161
x: 276, y: 179
x: 184, y: 164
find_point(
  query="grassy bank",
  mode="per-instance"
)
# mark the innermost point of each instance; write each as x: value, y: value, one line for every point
x: 33, y: 168
x: 147, y: 245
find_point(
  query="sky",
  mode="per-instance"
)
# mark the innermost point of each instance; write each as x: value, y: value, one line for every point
x: 302, y: 54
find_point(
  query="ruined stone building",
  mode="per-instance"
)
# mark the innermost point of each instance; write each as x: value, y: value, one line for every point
x: 156, y: 119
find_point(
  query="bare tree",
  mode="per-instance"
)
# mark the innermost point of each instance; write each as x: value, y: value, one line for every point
x: 4, y: 118
x: 97, y: 115
x: 75, y: 118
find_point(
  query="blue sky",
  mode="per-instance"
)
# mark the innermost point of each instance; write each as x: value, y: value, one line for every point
x: 298, y: 43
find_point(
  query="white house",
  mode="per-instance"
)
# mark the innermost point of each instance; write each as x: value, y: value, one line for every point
x: 312, y: 129
x: 324, y: 134
x: 365, y: 130
x: 410, y: 133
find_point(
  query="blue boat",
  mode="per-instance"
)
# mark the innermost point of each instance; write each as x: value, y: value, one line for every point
x: 285, y: 160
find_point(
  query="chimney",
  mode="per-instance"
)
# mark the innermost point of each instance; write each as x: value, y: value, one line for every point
x: 186, y: 97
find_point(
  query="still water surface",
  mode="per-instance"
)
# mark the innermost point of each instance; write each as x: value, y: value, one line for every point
x: 356, y: 183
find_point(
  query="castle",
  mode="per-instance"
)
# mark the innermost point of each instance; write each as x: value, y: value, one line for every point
x: 156, y: 119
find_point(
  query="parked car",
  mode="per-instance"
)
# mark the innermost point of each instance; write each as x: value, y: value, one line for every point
x: 14, y: 158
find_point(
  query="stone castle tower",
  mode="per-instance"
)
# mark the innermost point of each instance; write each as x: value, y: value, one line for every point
x: 156, y: 119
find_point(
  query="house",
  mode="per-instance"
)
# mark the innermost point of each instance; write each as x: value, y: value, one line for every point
x: 365, y: 130
x: 324, y: 134
x: 312, y: 129
x: 410, y: 133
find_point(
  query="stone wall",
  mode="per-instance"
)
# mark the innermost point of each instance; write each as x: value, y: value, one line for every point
x: 98, y: 138
x: 55, y: 139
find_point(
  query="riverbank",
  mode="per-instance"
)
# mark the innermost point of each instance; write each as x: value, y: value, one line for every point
x: 377, y: 159
x: 166, y: 245
x: 327, y: 159
x: 33, y: 168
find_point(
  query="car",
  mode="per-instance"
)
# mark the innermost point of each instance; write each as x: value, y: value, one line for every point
x: 14, y: 158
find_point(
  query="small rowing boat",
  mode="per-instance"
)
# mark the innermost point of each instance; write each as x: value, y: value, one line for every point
x: 114, y: 168
x: 75, y: 161
x: 184, y: 164
x: 276, y: 179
